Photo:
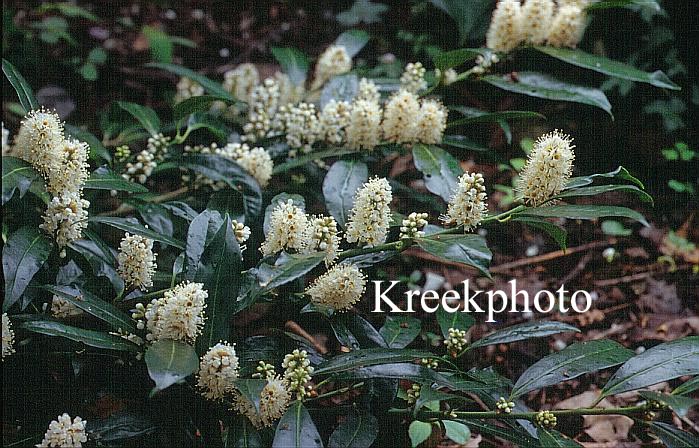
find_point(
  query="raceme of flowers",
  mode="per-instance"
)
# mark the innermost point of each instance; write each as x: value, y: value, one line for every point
x: 547, y: 170
x: 297, y: 372
x: 536, y: 22
x: 370, y: 216
x: 136, y: 261
x: 274, y: 399
x: 8, y: 337
x: 218, y: 371
x: 178, y: 315
x: 339, y: 288
x: 65, y: 432
x: 468, y: 205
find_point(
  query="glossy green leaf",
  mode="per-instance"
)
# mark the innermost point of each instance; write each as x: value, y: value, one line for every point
x: 463, y: 142
x: 120, y: 426
x: 199, y: 235
x: 673, y: 437
x: 251, y: 389
x: 296, y: 429
x: 608, y: 66
x: 601, y: 189
x: 170, y: 361
x: 95, y: 306
x: 24, y: 91
x: 400, y: 331
x: 471, y: 17
x: 370, y: 357
x: 544, y: 86
x: 24, y: 253
x: 440, y: 169
x: 456, y: 320
x: 419, y: 432
x: 133, y: 227
x: 292, y: 268
x: 105, y: 179
x: 17, y: 175
x: 558, y: 233
x: 308, y: 158
x: 212, y: 87
x: 293, y: 62
x: 160, y: 44
x: 678, y: 403
x: 524, y: 331
x: 454, y: 58
x: 585, y: 212
x: 358, y: 430
x: 571, y: 362
x: 478, y: 116
x: 398, y: 371
x: 92, y: 338
x: 242, y: 434
x: 145, y: 115
x: 100, y: 258
x: 341, y: 183
x: 660, y: 363
x: 353, y: 41
x: 517, y: 435
x: 550, y: 438
x: 195, y: 104
x: 619, y: 173
x: 687, y: 387
x: 457, y: 431
x: 469, y: 249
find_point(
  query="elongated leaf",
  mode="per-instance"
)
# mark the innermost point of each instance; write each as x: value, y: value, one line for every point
x: 251, y: 389
x: 419, y: 432
x: 619, y: 173
x: 294, y: 63
x: 353, y: 41
x: 341, y: 182
x: 543, y: 86
x: 585, y: 212
x: 160, y: 44
x: 17, y: 175
x: 307, y: 158
x: 470, y: 250
x: 359, y: 430
x: 398, y: 371
x: 673, y: 437
x: 687, y: 387
x: 440, y: 170
x: 471, y: 18
x: 463, y: 142
x: 100, y: 258
x: 24, y: 91
x: 25, y: 252
x: 120, y: 426
x: 477, y: 116
x: 601, y: 189
x: 170, y: 361
x: 133, y: 227
x: 105, y: 179
x: 213, y: 87
x: 456, y: 320
x: 516, y: 435
x: 457, y: 431
x: 678, y: 403
x: 145, y: 115
x: 558, y: 233
x: 296, y: 429
x: 88, y: 337
x: 242, y: 434
x: 454, y: 58
x: 571, y: 362
x: 608, y: 66
x: 551, y: 438
x: 370, y: 357
x: 294, y: 267
x: 200, y: 103
x: 524, y: 331
x: 400, y: 331
x: 200, y: 233
x: 660, y: 363
x: 99, y: 308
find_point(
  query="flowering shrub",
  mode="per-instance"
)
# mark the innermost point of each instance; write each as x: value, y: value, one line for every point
x: 148, y: 245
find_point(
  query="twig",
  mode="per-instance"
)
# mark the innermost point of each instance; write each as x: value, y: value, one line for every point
x: 296, y: 329
x: 125, y: 209
x: 550, y: 256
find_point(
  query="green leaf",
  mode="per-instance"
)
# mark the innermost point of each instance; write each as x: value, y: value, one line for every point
x: 619, y: 173
x: 25, y: 252
x: 419, y: 432
x: 95, y: 306
x: 307, y: 158
x: 100, y: 258
x: 454, y: 58
x: 97, y: 150
x: 543, y: 86
x: 678, y: 403
x: 212, y: 87
x: 220, y: 275
x: 17, y: 175
x: 558, y: 233
x: 358, y: 430
x: 370, y: 357
x: 463, y: 142
x: 251, y: 389
x: 601, y: 189
x: 673, y: 437
x: 290, y: 269
x: 687, y: 387
x: 608, y: 66
x: 170, y: 361
x: 516, y: 435
x: 524, y: 331
x: 362, y: 11
x: 660, y: 363
x: 457, y: 431
x: 132, y: 226
x: 242, y: 434
x: 293, y: 62
x: 585, y: 212
x: 160, y: 44
x: 199, y: 235
x: 120, y: 427
x: 400, y: 331
x: 440, y: 169
x: 479, y: 116
x: 24, y: 92
x: 471, y: 18
x: 615, y: 228
x: 198, y: 104
x: 296, y: 429
x: 470, y: 250
x: 353, y: 41
x: 341, y: 183
x: 551, y: 438
x: 145, y: 115
x: 398, y: 371
x: 571, y: 362
x: 92, y: 338
x: 105, y: 179
x: 456, y: 320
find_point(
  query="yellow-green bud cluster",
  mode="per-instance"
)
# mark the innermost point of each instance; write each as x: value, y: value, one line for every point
x: 297, y: 372
x: 413, y: 393
x: 546, y: 419
x: 504, y: 406
x: 412, y: 227
x: 456, y: 340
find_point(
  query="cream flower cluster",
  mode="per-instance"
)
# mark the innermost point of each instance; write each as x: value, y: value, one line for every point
x: 413, y: 78
x: 136, y: 261
x: 65, y: 433
x: 288, y: 229
x: 187, y: 88
x: 297, y: 372
x: 65, y: 218
x: 301, y: 125
x: 548, y: 168
x: 370, y: 216
x: 332, y: 62
x: 468, y: 205
x: 264, y: 103
x: 158, y: 145
x: 179, y: 315
x: 537, y: 22
x: 63, y: 309
x: 333, y: 122
x: 218, y: 371
x: 323, y: 237
x: 339, y: 288
x: 241, y: 81
x: 255, y: 161
x: 274, y: 399
x: 364, y: 128
x: 140, y: 170
x: 241, y: 232
x: 8, y: 337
